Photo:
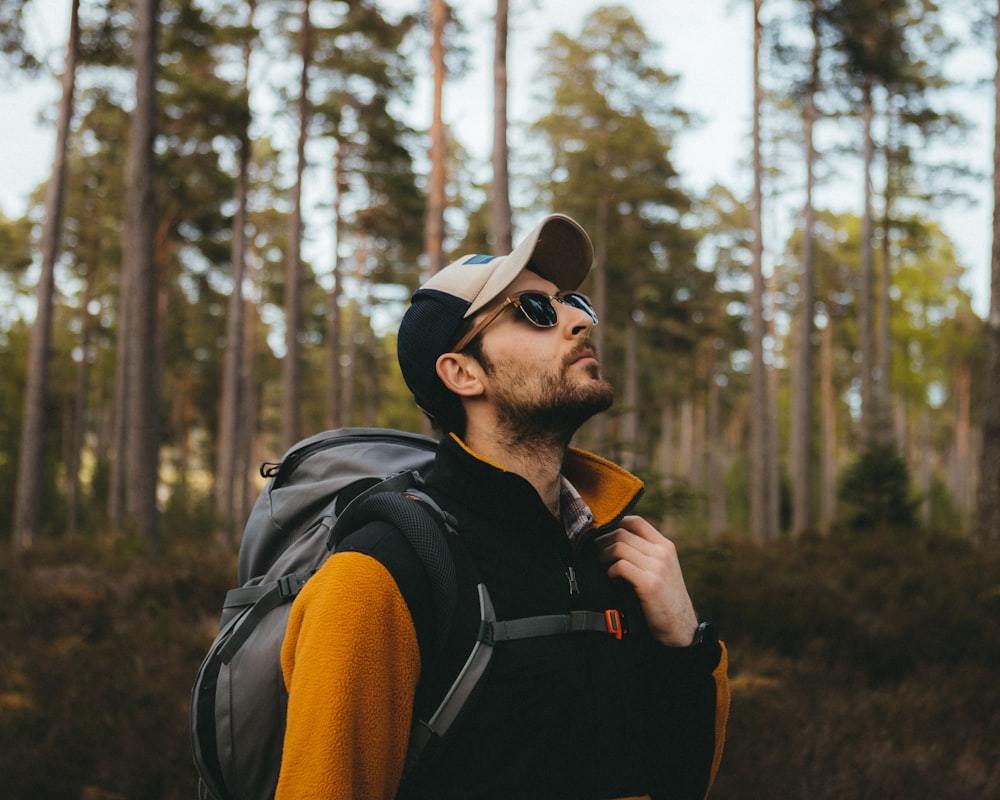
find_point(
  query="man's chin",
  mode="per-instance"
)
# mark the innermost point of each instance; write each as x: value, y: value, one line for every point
x: 593, y: 398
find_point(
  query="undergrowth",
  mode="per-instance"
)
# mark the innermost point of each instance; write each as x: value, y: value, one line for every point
x: 862, y: 665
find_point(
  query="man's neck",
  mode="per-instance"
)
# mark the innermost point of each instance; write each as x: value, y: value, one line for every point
x: 539, y: 461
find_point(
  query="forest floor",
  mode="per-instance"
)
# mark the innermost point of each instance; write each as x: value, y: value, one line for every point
x: 861, y: 667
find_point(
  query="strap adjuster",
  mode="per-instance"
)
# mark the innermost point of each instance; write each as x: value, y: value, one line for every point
x: 291, y: 585
x: 614, y: 622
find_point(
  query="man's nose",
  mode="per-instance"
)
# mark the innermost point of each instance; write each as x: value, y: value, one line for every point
x: 578, y: 320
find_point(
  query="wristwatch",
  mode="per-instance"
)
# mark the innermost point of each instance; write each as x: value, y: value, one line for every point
x: 704, y: 634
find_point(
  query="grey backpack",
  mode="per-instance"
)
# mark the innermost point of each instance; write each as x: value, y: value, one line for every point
x: 323, y: 489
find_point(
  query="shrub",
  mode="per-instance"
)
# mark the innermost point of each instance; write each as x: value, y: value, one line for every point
x: 874, y: 491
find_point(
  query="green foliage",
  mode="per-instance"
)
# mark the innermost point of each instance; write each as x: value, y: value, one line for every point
x: 15, y: 247
x: 677, y: 499
x: 15, y: 54
x: 874, y: 491
x: 677, y: 266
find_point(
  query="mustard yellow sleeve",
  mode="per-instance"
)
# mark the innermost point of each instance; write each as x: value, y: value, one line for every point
x: 721, y: 677
x: 351, y: 663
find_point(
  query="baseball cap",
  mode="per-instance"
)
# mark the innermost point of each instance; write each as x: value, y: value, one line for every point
x: 557, y: 249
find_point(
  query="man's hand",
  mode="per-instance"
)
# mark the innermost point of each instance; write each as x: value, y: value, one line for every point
x: 639, y: 554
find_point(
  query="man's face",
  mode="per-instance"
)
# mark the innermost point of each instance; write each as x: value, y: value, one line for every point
x: 542, y: 381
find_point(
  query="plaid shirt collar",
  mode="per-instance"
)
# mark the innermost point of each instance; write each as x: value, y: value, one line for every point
x: 576, y: 514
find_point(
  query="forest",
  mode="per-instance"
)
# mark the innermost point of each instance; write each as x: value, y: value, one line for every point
x: 814, y: 406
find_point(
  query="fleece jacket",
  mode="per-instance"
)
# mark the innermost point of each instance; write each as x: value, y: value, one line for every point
x: 577, y: 716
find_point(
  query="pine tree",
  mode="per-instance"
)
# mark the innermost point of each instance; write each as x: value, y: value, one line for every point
x: 28, y: 500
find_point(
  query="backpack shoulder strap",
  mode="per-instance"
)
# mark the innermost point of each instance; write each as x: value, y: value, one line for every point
x: 427, y: 527
x: 424, y: 525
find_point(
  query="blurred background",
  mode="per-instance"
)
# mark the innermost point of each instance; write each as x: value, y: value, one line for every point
x: 213, y: 213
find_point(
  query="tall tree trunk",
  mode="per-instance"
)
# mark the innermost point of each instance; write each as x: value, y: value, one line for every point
x: 372, y: 352
x: 866, y: 282
x: 248, y: 408
x: 828, y: 417
x: 988, y: 499
x: 666, y: 449
x: 962, y: 487
x: 925, y: 467
x: 28, y: 500
x: 668, y: 412
x: 773, y: 458
x: 760, y: 528
x: 78, y: 428
x: 434, y: 234
x: 232, y: 383
x: 142, y: 426
x: 116, y: 452
x: 686, y: 440
x: 334, y: 318
x: 598, y: 427
x: 291, y: 366
x: 883, y: 349
x: 351, y: 373
x: 700, y: 429
x: 629, y: 425
x: 716, y: 480
x: 233, y: 358
x: 801, y: 433
x: 500, y: 222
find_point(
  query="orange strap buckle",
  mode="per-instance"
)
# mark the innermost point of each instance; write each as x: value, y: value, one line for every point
x: 614, y: 623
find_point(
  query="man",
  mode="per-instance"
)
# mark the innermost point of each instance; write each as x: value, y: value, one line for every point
x: 497, y: 351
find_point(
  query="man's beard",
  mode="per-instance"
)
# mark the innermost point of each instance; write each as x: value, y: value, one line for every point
x: 550, y: 407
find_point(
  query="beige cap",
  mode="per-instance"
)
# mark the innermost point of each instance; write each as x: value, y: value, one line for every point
x: 557, y: 249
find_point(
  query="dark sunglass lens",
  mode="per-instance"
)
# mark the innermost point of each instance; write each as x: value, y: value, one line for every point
x: 538, y: 309
x: 579, y: 301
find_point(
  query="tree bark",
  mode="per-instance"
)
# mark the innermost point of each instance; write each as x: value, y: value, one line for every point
x: 666, y: 454
x: 760, y: 527
x: 629, y: 425
x: 962, y: 487
x: 371, y: 373
x: 233, y: 358
x: 716, y: 479
x: 248, y: 410
x: 988, y: 507
x: 291, y: 366
x: 233, y: 363
x: 598, y: 427
x: 869, y: 413
x: 79, y: 424
x: 334, y: 317
x: 434, y: 236
x: 828, y: 417
x: 351, y: 372
x: 800, y: 434
x: 773, y: 457
x: 142, y: 424
x: 925, y: 465
x: 500, y: 216
x: 28, y: 500
x: 882, y: 384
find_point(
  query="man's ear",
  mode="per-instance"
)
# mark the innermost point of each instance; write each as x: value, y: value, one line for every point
x: 460, y: 374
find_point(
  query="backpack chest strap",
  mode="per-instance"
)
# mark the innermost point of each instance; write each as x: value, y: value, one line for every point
x: 610, y: 621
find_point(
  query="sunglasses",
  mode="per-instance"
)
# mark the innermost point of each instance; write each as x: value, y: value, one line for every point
x: 537, y: 309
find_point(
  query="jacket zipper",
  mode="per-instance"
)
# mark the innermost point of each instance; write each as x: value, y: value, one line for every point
x: 571, y: 579
x: 574, y: 587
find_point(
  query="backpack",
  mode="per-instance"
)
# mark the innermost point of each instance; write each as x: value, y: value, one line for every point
x: 324, y: 488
